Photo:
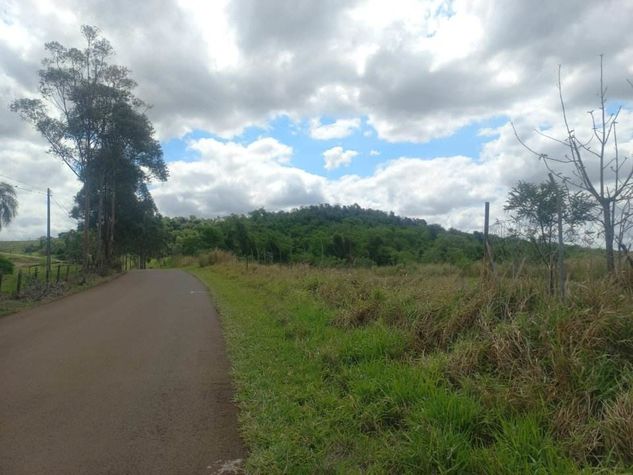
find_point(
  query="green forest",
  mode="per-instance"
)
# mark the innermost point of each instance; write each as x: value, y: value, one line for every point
x: 320, y: 235
x: 325, y: 235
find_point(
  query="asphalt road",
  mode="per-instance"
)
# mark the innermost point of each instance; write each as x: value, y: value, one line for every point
x: 128, y: 377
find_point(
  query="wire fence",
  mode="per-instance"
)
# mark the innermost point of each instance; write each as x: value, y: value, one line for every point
x: 32, y: 280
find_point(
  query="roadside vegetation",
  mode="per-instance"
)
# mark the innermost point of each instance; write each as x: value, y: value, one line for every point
x: 23, y: 274
x: 427, y: 368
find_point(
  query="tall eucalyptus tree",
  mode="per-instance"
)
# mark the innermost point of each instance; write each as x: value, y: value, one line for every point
x: 92, y: 121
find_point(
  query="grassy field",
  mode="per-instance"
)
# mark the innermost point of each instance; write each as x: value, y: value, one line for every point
x: 426, y: 370
x: 16, y: 247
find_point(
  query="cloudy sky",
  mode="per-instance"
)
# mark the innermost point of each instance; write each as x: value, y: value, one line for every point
x: 400, y: 105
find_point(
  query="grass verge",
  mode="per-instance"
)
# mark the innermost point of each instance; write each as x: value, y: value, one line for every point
x: 393, y: 371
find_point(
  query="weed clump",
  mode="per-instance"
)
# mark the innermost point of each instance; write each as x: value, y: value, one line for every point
x: 617, y: 426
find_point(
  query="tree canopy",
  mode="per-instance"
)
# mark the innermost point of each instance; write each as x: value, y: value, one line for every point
x: 325, y: 235
x: 94, y: 123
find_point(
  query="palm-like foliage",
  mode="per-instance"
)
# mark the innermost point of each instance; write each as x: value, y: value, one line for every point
x: 8, y: 204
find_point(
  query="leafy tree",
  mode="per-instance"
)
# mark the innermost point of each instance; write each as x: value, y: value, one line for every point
x: 6, y: 266
x: 324, y: 235
x: 129, y: 160
x: 8, y: 204
x: 333, y: 235
x: 534, y: 209
x: 189, y: 242
x: 378, y: 251
x: 70, y: 248
x: 93, y: 122
x: 454, y: 248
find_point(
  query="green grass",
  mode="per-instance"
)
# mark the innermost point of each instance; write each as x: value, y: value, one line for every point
x: 425, y: 371
x: 16, y: 247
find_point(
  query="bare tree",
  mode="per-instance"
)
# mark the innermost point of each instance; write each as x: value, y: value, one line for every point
x: 594, y: 165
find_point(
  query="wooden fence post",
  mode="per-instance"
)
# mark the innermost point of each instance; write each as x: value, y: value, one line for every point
x: 487, y: 249
x: 59, y: 266
x: 18, y: 283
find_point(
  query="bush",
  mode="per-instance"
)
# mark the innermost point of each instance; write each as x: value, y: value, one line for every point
x: 6, y: 266
x: 216, y: 256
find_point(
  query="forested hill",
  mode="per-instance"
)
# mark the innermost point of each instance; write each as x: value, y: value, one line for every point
x: 326, y: 235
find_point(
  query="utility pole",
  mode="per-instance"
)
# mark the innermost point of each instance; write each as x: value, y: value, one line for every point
x: 487, y: 252
x: 486, y: 225
x: 48, y: 235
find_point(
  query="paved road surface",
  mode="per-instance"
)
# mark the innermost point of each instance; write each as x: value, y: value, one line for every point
x: 128, y: 377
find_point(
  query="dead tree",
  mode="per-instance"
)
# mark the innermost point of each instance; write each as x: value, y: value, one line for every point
x: 594, y: 165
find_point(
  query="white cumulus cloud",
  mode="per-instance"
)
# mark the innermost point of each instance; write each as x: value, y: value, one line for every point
x: 228, y: 177
x: 336, y: 157
x: 413, y: 70
x: 337, y: 130
x: 234, y: 178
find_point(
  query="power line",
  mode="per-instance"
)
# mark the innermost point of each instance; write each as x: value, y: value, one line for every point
x: 29, y: 188
x: 61, y: 206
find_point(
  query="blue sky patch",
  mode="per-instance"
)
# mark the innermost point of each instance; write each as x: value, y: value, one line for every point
x: 308, y: 152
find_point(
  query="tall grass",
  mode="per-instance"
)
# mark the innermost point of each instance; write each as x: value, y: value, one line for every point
x: 427, y: 370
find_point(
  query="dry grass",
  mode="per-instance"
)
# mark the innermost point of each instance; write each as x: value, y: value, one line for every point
x: 215, y: 256
x: 617, y: 426
x: 566, y: 367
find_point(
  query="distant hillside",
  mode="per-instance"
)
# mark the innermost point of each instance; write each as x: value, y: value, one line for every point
x: 19, y: 247
x: 325, y: 234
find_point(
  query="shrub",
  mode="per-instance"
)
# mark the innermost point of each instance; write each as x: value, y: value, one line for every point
x: 216, y: 256
x: 6, y: 266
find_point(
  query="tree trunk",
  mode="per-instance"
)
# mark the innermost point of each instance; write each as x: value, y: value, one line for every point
x: 112, y: 222
x: 625, y: 251
x: 100, y: 219
x: 86, y: 249
x: 561, y: 250
x: 550, y: 268
x: 608, y: 235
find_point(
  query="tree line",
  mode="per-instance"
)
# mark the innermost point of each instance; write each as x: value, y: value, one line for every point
x: 333, y: 235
